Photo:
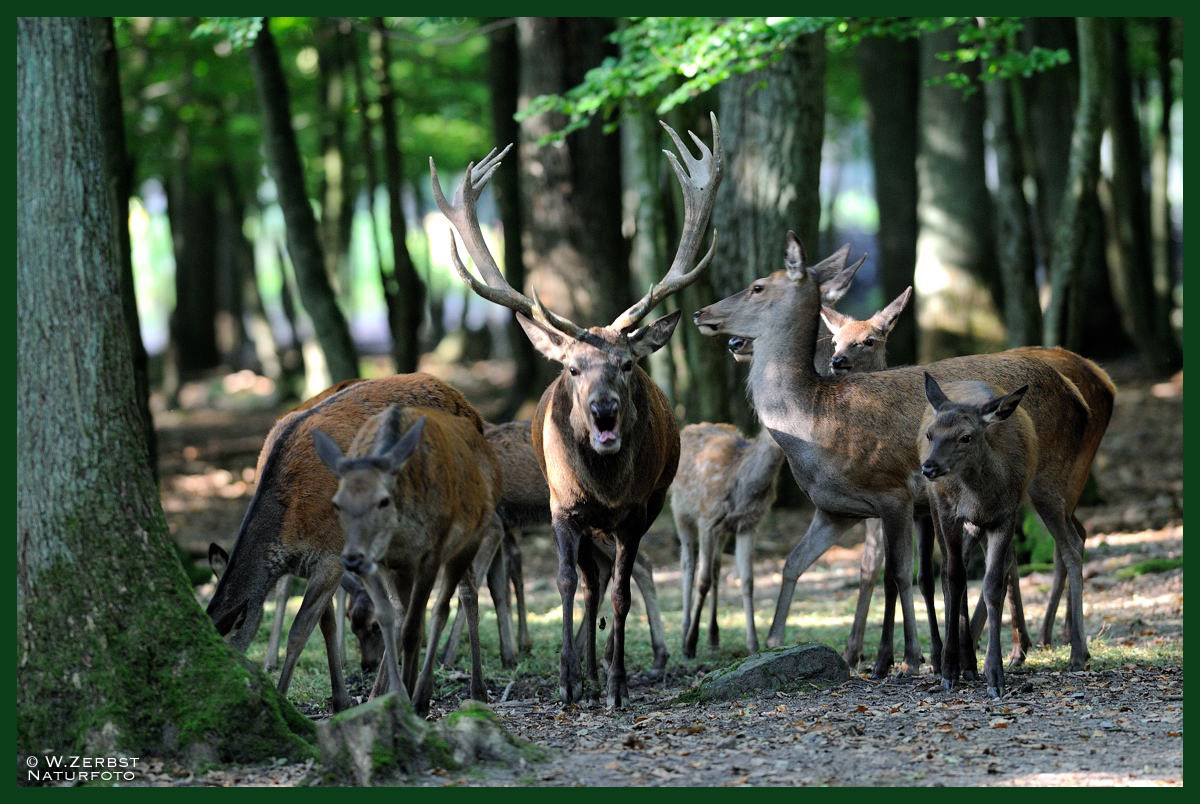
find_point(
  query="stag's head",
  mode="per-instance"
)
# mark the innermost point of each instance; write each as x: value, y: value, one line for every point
x: 599, y: 363
x: 862, y: 345
x: 365, y: 499
x: 771, y: 302
x: 955, y: 432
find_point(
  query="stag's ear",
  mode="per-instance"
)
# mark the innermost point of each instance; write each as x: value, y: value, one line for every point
x: 328, y: 450
x: 218, y: 559
x: 551, y: 343
x: 654, y: 336
x: 885, y: 319
x: 794, y: 258
x: 833, y: 319
x: 1002, y: 407
x: 933, y: 392
x: 399, y: 454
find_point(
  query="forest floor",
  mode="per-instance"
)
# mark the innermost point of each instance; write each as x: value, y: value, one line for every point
x: 1118, y: 723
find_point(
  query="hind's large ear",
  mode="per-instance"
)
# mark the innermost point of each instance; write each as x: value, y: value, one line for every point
x: 328, y: 450
x: 1002, y: 407
x: 934, y: 393
x: 834, y: 276
x: 654, y: 336
x: 885, y: 319
x: 794, y: 258
x: 398, y: 455
x: 218, y: 559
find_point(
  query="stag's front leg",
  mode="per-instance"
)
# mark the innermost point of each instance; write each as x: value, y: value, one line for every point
x: 627, y: 546
x: 592, y: 594
x: 566, y: 539
x: 376, y: 585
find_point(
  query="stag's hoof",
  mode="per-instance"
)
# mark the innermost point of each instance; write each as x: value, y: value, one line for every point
x: 1016, y: 660
x: 659, y: 666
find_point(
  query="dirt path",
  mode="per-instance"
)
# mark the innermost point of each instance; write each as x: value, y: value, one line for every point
x: 1119, y: 723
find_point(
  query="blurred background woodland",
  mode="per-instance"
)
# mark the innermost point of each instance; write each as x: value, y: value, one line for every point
x: 1024, y: 175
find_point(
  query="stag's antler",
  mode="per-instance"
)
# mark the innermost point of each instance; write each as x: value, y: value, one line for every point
x: 462, y: 216
x: 699, y: 183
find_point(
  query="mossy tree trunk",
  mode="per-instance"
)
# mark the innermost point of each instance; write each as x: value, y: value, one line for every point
x: 303, y: 243
x: 113, y: 653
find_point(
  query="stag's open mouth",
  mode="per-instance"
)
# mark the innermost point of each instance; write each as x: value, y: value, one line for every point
x: 606, y: 439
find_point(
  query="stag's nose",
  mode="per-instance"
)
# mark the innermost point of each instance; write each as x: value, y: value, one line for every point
x: 838, y: 362
x: 354, y: 562
x: 932, y: 470
x: 604, y: 408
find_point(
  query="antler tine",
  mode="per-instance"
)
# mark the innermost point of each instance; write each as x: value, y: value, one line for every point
x: 698, y: 182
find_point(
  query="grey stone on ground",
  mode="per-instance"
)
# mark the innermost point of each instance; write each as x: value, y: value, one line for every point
x: 781, y: 668
x: 383, y: 741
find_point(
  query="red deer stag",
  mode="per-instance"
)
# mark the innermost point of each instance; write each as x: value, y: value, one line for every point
x: 851, y: 441
x: 603, y: 433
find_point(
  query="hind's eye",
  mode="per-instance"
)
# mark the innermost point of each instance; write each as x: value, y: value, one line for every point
x: 868, y: 341
x: 756, y: 289
x: 385, y: 502
x: 627, y: 365
x: 574, y: 371
x: 964, y: 439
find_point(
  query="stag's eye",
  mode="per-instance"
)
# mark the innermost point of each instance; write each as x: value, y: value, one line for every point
x: 574, y: 371
x: 868, y: 341
x: 627, y: 365
x: 964, y: 439
x: 385, y: 502
x: 756, y: 289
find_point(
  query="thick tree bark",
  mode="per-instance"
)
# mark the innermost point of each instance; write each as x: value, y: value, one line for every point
x: 193, y: 214
x: 304, y: 247
x: 1063, y: 319
x: 120, y: 173
x: 337, y: 189
x: 127, y: 663
x: 409, y: 290
x: 891, y: 79
x: 570, y: 192
x: 957, y: 282
x: 504, y: 66
x: 1162, y: 239
x: 1014, y: 235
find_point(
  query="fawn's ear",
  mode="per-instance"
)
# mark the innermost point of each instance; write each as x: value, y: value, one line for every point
x: 404, y: 448
x: 885, y: 319
x: 933, y: 392
x: 654, y: 336
x: 328, y: 451
x: 1002, y: 407
x: 551, y: 343
x: 833, y: 319
x: 218, y: 559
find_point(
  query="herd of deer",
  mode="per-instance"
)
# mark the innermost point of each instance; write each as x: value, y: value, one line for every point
x: 383, y: 485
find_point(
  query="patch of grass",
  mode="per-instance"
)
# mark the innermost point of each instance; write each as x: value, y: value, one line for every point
x: 1026, y: 569
x: 1148, y: 566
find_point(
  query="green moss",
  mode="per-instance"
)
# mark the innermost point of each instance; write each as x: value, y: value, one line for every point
x: 1149, y: 566
x: 439, y: 752
x: 473, y: 709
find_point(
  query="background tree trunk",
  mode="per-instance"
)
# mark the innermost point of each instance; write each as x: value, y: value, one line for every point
x: 1063, y: 319
x: 957, y: 283
x: 570, y: 192
x: 1161, y: 233
x: 1015, y: 248
x: 193, y: 213
x: 409, y: 291
x: 337, y: 188
x: 304, y: 247
x: 113, y: 666
x: 891, y: 79
x: 504, y: 66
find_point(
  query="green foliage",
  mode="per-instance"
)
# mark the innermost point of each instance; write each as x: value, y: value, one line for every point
x: 1149, y: 566
x: 1032, y: 542
x: 670, y: 60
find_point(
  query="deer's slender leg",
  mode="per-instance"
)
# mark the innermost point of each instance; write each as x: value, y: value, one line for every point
x: 995, y: 579
x: 744, y: 556
x: 516, y: 574
x: 377, y: 586
x: 567, y: 538
x: 457, y: 570
x: 271, y: 657
x: 643, y: 576
x: 321, y: 583
x: 627, y: 546
x: 704, y: 582
x: 822, y: 533
x: 685, y: 528
x: 333, y: 652
x: 897, y: 571
x: 868, y: 575
x: 468, y: 598
x: 714, y: 631
x: 592, y: 593
x: 1069, y: 545
x: 925, y: 579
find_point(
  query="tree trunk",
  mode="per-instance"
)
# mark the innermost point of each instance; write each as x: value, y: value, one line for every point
x: 1063, y: 319
x: 570, y: 192
x: 127, y: 663
x: 1131, y: 274
x: 1015, y: 249
x: 337, y: 191
x: 504, y: 64
x: 192, y: 210
x: 120, y: 172
x: 890, y: 71
x: 1161, y: 229
x: 304, y: 247
x: 957, y: 282
x: 409, y: 291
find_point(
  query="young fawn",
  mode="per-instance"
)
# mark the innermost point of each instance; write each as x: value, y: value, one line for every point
x: 417, y: 489
x: 979, y: 454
